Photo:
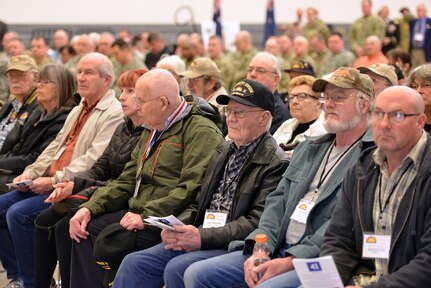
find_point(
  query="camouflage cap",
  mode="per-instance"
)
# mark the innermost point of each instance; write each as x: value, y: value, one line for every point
x: 21, y: 63
x: 201, y: 67
x: 383, y: 70
x: 348, y: 78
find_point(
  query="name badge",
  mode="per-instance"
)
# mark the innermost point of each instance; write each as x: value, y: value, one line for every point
x: 376, y: 246
x: 419, y: 37
x: 214, y: 219
x: 57, y: 156
x: 302, y: 211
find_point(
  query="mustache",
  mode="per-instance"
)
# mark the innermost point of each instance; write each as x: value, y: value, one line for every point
x: 332, y: 111
x: 16, y: 85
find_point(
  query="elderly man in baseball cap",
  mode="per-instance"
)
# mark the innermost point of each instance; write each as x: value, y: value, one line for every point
x: 383, y: 76
x: 22, y: 75
x: 204, y: 80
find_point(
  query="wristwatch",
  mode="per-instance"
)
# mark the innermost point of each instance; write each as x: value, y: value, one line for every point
x: 53, y: 181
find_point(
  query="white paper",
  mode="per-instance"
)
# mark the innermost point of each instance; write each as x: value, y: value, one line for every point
x: 214, y: 219
x: 24, y: 183
x: 164, y: 222
x: 318, y: 272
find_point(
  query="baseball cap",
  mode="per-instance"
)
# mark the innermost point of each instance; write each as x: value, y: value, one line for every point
x: 250, y: 93
x: 21, y: 63
x: 345, y: 77
x: 200, y: 67
x: 110, y: 247
x: 302, y: 67
x: 383, y: 70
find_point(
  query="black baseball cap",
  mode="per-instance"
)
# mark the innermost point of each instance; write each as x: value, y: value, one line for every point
x: 302, y: 67
x: 250, y: 93
x: 110, y: 247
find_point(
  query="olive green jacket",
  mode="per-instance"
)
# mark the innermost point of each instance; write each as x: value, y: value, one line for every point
x: 173, y: 172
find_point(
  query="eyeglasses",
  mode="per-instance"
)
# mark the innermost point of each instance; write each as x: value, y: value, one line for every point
x: 337, y: 98
x: 424, y: 84
x: 301, y: 96
x: 395, y: 116
x: 18, y: 76
x: 238, y: 113
x: 141, y: 102
x: 259, y: 70
x: 44, y: 82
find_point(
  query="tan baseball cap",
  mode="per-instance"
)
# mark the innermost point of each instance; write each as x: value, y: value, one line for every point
x: 383, y: 70
x: 201, y: 67
x: 349, y: 78
x: 21, y: 63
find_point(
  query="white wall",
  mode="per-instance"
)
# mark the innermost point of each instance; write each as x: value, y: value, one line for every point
x: 162, y: 11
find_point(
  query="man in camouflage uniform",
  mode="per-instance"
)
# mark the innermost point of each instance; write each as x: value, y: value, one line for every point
x: 314, y: 25
x: 338, y: 55
x: 241, y: 58
x: 215, y: 52
x: 123, y: 60
x: 363, y: 27
x: 319, y: 52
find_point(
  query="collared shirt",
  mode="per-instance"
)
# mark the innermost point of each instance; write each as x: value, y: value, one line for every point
x: 66, y: 157
x: 222, y: 200
x: 393, y: 187
x: 8, y: 122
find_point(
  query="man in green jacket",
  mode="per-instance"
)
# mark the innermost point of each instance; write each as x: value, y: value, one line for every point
x: 163, y: 176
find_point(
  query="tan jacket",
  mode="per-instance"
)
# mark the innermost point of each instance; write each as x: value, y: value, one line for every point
x: 92, y: 141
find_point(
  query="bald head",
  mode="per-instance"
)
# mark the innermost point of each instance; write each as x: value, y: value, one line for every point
x: 243, y: 41
x: 157, y: 97
x: 373, y: 45
x: 409, y: 98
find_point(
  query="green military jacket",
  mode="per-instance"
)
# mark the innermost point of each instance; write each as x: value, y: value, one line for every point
x: 171, y: 175
x: 119, y: 69
x: 239, y: 64
x: 364, y: 27
x: 318, y: 27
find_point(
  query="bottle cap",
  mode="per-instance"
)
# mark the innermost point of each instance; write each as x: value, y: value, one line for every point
x: 260, y: 238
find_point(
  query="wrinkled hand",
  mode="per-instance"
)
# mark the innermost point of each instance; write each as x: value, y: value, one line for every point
x: 187, y: 238
x: 22, y: 177
x: 41, y: 185
x: 61, y: 192
x: 250, y: 276
x: 78, y: 224
x: 132, y: 221
x: 273, y: 268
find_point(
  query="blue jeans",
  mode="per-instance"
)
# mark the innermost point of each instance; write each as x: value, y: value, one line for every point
x: 18, y: 210
x: 228, y: 271
x: 154, y: 266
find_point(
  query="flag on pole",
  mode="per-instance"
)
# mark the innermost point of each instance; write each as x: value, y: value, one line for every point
x: 270, y: 21
x: 216, y: 17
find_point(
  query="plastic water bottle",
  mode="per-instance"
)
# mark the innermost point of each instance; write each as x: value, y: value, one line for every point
x: 261, y: 251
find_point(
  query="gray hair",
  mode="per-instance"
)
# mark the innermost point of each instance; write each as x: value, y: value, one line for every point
x: 421, y: 73
x: 275, y: 63
x: 106, y: 68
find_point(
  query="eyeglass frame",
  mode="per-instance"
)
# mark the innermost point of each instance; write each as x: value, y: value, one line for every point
x: 238, y: 113
x: 44, y: 82
x: 391, y: 116
x: 301, y: 96
x: 141, y: 102
x: 323, y: 99
x: 259, y: 70
x: 416, y: 86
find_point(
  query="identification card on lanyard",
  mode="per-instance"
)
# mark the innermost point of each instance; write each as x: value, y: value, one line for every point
x: 302, y: 211
x: 215, y: 218
x: 376, y: 246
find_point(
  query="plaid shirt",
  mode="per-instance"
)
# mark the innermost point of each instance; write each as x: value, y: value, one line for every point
x: 7, y: 124
x: 222, y: 200
x: 397, y: 184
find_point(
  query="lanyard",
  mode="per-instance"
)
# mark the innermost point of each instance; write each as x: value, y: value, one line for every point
x: 156, y: 134
x: 383, y: 208
x: 323, y: 176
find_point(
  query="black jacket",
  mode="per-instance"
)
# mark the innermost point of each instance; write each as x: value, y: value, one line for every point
x: 281, y: 113
x: 410, y: 254
x: 15, y: 134
x: 110, y: 165
x: 259, y: 176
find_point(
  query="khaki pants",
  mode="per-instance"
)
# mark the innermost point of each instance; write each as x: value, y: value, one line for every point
x: 418, y: 57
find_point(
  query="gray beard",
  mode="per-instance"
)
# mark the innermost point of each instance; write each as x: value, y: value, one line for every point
x: 334, y: 126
